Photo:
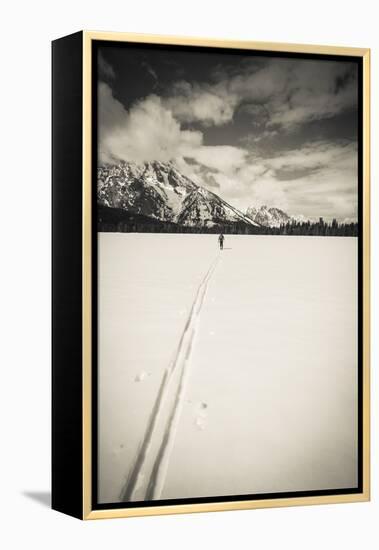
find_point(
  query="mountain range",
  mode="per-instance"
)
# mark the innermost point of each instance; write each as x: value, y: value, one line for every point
x: 273, y: 217
x: 159, y: 192
x: 268, y: 217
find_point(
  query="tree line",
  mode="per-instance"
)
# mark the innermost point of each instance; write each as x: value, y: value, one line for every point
x: 317, y: 229
x: 120, y: 221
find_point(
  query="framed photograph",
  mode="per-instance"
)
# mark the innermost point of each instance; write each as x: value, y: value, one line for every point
x: 210, y: 275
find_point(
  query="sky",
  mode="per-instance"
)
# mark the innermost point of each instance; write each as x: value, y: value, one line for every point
x: 256, y: 130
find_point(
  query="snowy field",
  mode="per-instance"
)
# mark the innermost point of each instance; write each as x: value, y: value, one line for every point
x: 228, y: 372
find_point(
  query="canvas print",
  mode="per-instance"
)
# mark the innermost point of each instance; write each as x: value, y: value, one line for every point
x: 227, y: 269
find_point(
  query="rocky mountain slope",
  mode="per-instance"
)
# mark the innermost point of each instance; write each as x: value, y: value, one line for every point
x: 159, y: 191
x: 269, y: 217
x: 272, y: 217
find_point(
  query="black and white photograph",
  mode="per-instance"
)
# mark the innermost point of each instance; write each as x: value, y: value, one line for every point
x: 228, y: 228
x: 188, y: 275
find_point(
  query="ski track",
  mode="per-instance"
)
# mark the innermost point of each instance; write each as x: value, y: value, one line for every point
x: 181, y: 360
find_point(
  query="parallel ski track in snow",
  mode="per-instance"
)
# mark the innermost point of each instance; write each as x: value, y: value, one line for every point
x: 139, y: 474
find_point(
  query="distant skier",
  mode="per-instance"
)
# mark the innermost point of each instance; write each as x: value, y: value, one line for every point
x: 221, y: 241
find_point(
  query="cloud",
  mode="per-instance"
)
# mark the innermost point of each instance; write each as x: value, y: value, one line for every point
x: 279, y: 93
x: 212, y: 105
x: 150, y: 70
x: 148, y: 131
x: 317, y: 155
x: 319, y: 179
x: 252, y: 185
x: 223, y: 158
x: 325, y: 185
x: 314, y: 90
x: 266, y: 134
x: 106, y: 71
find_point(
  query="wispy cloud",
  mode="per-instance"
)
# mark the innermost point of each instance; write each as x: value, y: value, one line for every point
x: 150, y: 70
x: 106, y: 71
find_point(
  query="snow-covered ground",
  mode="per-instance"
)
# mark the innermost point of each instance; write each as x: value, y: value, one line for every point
x: 230, y: 372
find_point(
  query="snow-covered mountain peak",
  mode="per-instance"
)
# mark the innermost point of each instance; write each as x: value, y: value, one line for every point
x: 159, y: 190
x: 272, y: 217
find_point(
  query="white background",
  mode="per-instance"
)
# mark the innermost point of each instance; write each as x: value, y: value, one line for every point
x: 27, y: 29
